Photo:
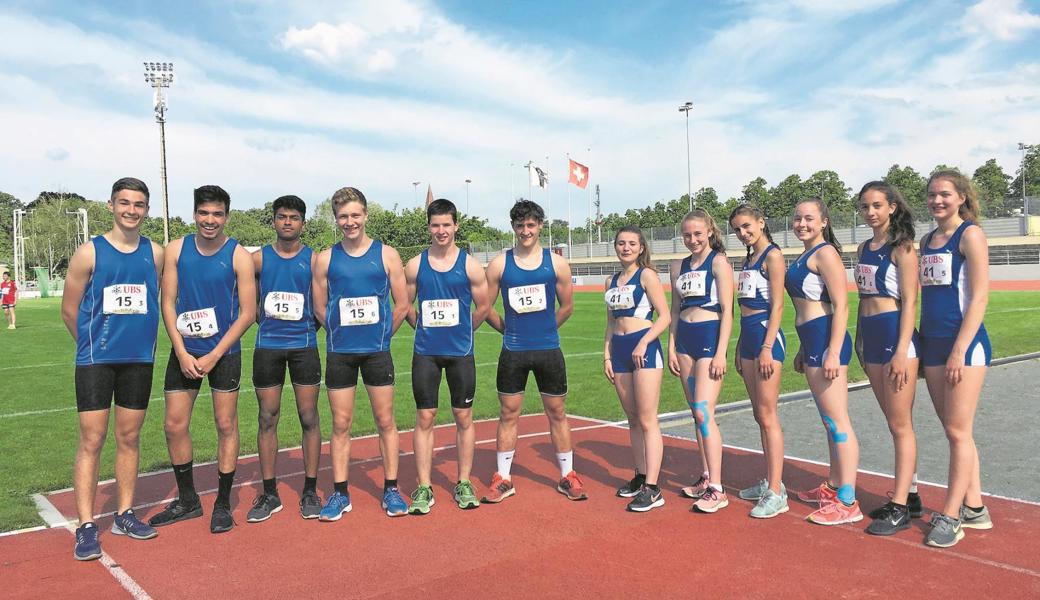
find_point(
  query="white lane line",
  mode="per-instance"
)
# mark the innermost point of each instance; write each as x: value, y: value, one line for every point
x: 21, y: 531
x: 53, y: 364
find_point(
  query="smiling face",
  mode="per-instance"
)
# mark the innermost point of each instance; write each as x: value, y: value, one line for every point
x: 210, y: 219
x: 875, y: 209
x: 129, y: 208
x: 527, y: 232
x: 442, y: 230
x: 696, y: 236
x: 944, y: 201
x: 351, y: 218
x: 627, y: 247
x: 288, y: 224
x: 747, y: 228
x: 808, y: 222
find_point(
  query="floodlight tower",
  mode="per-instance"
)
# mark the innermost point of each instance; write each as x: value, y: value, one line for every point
x: 160, y: 75
x: 686, y: 108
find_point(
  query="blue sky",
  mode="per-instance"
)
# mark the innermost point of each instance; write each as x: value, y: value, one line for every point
x: 274, y: 98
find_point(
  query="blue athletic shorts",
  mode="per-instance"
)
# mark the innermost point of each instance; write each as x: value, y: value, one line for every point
x: 698, y: 340
x: 815, y: 336
x: 935, y: 351
x: 621, y: 347
x: 880, y: 334
x: 753, y: 335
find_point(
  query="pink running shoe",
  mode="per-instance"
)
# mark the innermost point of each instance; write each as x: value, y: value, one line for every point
x: 696, y: 490
x: 711, y: 501
x: 822, y: 495
x: 836, y: 513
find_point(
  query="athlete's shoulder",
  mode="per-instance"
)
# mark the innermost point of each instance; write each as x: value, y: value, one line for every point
x: 389, y: 252
x: 721, y: 261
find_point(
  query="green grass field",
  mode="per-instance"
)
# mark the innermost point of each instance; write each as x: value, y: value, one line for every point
x: 38, y: 425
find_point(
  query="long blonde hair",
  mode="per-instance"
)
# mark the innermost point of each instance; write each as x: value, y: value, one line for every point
x: 714, y: 233
x: 969, y: 211
x: 643, y: 260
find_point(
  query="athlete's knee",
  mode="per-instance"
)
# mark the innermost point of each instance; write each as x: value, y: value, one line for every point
x: 959, y: 434
x: 91, y: 440
x: 464, y: 419
x: 385, y: 421
x: 308, y: 420
x: 128, y: 437
x: 341, y: 424
x: 837, y: 431
x: 425, y: 419
x: 556, y: 413
x: 174, y: 426
x: 227, y: 425
x: 901, y: 427
x: 267, y: 420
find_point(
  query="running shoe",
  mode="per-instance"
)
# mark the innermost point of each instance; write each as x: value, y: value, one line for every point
x: 310, y: 505
x: 824, y: 494
x: 393, y: 503
x: 335, y: 506
x: 754, y: 492
x: 913, y: 505
x: 975, y: 520
x: 711, y: 501
x: 177, y: 511
x: 836, y: 513
x: 572, y: 487
x: 264, y: 506
x: 499, y: 490
x: 696, y: 490
x: 221, y: 520
x: 128, y: 524
x: 422, y: 500
x: 465, y: 495
x: 770, y: 504
x: 87, y: 545
x: 892, y: 518
x: 946, y: 531
x: 631, y: 489
x: 646, y: 499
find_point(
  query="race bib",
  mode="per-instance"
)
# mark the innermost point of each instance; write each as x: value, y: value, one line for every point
x: 440, y: 313
x: 747, y: 284
x: 358, y: 311
x: 620, y: 297
x: 866, y: 278
x: 937, y: 269
x: 691, y: 283
x: 527, y: 298
x: 284, y: 306
x: 125, y: 299
x: 198, y: 323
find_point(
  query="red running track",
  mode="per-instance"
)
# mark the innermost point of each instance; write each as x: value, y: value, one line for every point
x: 536, y: 543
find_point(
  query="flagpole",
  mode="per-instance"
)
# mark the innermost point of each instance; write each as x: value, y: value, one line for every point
x: 569, y: 239
x: 588, y: 194
x: 548, y: 197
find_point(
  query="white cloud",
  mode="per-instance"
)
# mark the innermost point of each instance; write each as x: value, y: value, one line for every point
x: 1004, y: 20
x: 56, y: 154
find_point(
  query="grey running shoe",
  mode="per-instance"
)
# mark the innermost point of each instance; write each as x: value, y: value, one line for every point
x: 646, y: 499
x: 946, y: 531
x: 975, y: 520
x: 221, y: 519
x: 264, y: 506
x: 310, y: 505
x: 176, y: 511
x: 770, y: 504
x: 754, y: 492
x: 891, y: 519
x: 128, y: 524
x: 630, y: 489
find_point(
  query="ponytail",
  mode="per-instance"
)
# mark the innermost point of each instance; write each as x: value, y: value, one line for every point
x: 715, y: 241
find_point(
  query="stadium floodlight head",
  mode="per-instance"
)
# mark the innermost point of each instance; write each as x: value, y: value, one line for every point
x: 686, y: 108
x: 159, y: 75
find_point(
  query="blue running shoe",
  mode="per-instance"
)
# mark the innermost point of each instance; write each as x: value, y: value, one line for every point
x: 87, y: 545
x: 393, y: 503
x: 128, y: 524
x: 334, y: 508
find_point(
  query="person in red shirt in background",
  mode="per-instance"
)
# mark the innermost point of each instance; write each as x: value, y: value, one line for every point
x: 8, y: 298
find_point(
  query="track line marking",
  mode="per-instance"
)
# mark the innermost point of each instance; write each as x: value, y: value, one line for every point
x: 26, y: 530
x: 55, y: 364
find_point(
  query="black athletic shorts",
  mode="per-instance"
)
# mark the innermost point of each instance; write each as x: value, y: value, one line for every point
x: 129, y: 383
x: 341, y: 369
x: 461, y: 372
x: 269, y: 367
x: 548, y: 366
x: 225, y: 376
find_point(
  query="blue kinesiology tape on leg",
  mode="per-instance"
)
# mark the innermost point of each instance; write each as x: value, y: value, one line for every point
x: 691, y: 384
x: 847, y: 494
x: 832, y: 430
x: 700, y: 414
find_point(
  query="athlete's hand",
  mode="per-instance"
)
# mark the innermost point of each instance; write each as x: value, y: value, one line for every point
x: 899, y: 370
x: 639, y: 355
x: 206, y: 363
x: 189, y: 366
x: 608, y: 370
x: 799, y: 362
x: 831, y: 365
x: 673, y: 362
x: 955, y: 367
x: 717, y: 368
x: 765, y: 362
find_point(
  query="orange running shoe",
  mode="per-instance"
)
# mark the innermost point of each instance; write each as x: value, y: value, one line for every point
x: 822, y: 495
x: 572, y: 487
x: 836, y: 513
x: 499, y: 490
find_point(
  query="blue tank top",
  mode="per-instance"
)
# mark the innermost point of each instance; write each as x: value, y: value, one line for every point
x: 444, y: 326
x: 697, y: 286
x: 629, y: 300
x: 944, y: 286
x: 118, y: 316
x: 529, y: 298
x: 207, y: 296
x: 358, y: 311
x: 800, y: 282
x: 286, y: 307
x: 876, y: 274
x: 753, y: 284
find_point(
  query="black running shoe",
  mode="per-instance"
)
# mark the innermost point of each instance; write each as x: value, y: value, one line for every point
x: 913, y: 502
x: 310, y: 505
x: 221, y: 521
x: 632, y: 488
x: 177, y: 511
x: 892, y: 519
x: 646, y: 499
x: 264, y: 506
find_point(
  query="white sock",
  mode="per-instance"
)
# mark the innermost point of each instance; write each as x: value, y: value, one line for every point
x: 566, y: 462
x: 505, y: 461
x: 717, y: 488
x: 913, y: 484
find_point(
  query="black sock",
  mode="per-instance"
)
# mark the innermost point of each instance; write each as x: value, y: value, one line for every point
x: 831, y: 487
x: 310, y: 484
x: 185, y: 481
x: 653, y: 487
x: 341, y: 487
x: 975, y: 510
x: 271, y: 486
x: 224, y: 481
x: 389, y: 483
x: 640, y: 478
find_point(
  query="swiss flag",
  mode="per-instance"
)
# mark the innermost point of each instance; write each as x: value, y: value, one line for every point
x: 578, y: 174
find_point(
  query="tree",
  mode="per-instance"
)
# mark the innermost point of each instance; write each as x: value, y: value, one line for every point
x: 756, y: 193
x: 1031, y: 167
x: 911, y: 185
x: 8, y: 204
x: 784, y: 197
x: 992, y: 185
x: 833, y: 191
